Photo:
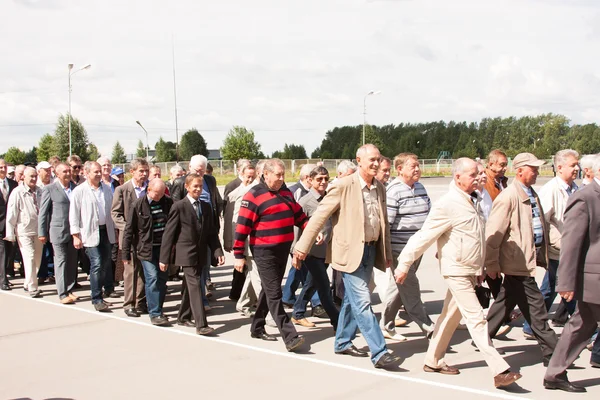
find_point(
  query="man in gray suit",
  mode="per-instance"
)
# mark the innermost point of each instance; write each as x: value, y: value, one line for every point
x: 578, y: 278
x: 53, y: 227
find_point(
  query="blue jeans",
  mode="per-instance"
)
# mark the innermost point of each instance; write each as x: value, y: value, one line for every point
x: 316, y: 281
x: 100, y: 267
x: 356, y: 312
x: 548, y: 289
x: 294, y: 279
x: 156, y: 283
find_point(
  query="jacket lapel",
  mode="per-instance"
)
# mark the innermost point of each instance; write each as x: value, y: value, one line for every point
x: 359, y: 199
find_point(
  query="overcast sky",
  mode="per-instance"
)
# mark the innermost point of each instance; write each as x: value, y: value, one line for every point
x: 290, y: 70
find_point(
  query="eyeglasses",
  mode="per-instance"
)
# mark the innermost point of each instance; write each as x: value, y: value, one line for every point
x: 322, y: 178
x: 76, y: 167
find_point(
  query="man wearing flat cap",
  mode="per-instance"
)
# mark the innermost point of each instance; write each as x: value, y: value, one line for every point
x: 516, y: 243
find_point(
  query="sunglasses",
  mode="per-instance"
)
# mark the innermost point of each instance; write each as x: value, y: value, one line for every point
x: 322, y: 178
x: 76, y: 167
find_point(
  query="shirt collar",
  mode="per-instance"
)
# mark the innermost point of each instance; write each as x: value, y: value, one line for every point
x: 316, y: 194
x: 565, y: 186
x: 143, y: 187
x: 363, y: 183
x: 191, y: 199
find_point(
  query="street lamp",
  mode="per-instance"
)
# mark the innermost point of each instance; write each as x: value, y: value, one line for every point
x: 365, y: 111
x: 70, y: 89
x: 138, y: 122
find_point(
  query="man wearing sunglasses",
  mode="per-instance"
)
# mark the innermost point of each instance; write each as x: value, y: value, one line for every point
x: 76, y: 169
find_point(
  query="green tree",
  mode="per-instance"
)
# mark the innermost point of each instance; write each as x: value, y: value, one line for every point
x: 240, y: 143
x: 140, y: 152
x: 118, y: 154
x: 192, y: 143
x: 165, y: 151
x: 15, y: 156
x: 79, y: 138
x: 45, y: 147
x: 31, y: 156
x: 291, y: 152
x: 93, y: 153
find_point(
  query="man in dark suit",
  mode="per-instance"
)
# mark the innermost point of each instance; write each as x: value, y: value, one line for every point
x: 189, y: 230
x: 578, y: 278
x: 53, y: 227
x: 210, y: 195
x: 6, y: 187
x: 134, y: 302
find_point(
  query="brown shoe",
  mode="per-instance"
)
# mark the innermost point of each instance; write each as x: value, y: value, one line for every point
x: 444, y: 370
x: 67, y: 300
x: 73, y: 297
x: 304, y: 322
x: 506, y: 378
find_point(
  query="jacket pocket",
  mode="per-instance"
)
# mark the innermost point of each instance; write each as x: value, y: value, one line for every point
x: 470, y: 251
x: 340, y: 252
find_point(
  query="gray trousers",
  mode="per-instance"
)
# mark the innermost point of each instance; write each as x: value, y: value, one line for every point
x: 65, y: 267
x: 251, y: 288
x: 134, y: 284
x: 575, y: 336
x: 409, y: 294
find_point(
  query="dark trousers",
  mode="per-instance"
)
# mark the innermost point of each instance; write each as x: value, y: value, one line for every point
x: 316, y: 281
x: 6, y: 265
x: 84, y: 261
x: 574, y: 338
x: 271, y: 265
x: 47, y: 265
x: 237, y: 283
x: 114, y: 258
x: 191, y: 298
x: 524, y: 292
x: 494, y: 285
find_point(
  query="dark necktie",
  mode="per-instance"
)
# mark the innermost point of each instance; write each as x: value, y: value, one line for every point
x: 198, y: 210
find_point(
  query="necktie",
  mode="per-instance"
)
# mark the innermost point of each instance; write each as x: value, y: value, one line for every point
x: 198, y: 210
x: 569, y: 190
x: 4, y: 190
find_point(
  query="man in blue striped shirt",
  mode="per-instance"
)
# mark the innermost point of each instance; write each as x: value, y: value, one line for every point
x: 408, y: 206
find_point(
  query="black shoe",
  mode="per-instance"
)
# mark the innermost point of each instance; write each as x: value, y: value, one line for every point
x: 112, y: 294
x: 102, y: 307
x: 132, y: 312
x: 6, y: 287
x: 295, y: 343
x: 287, y: 305
x: 558, y: 324
x: 77, y: 286
x: 386, y: 361
x: 264, y: 336
x: 160, y: 320
x: 142, y: 310
x: 565, y: 385
x: 354, y: 352
x: 35, y: 294
x: 319, y: 312
x: 205, y: 330
x: 500, y: 351
x: 186, y: 322
x: 176, y: 278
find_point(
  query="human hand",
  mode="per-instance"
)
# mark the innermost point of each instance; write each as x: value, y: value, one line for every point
x: 220, y: 260
x: 400, y: 276
x: 42, y: 239
x: 239, y: 264
x: 568, y: 296
x: 320, y: 238
x: 77, y: 243
x: 163, y: 267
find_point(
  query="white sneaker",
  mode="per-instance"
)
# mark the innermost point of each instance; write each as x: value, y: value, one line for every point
x: 393, y: 335
x: 504, y: 329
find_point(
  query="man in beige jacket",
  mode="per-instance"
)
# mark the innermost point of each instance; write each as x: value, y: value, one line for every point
x: 456, y: 224
x: 360, y: 240
x: 516, y: 243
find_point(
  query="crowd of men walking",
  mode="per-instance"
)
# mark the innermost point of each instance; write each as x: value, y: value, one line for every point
x: 372, y: 229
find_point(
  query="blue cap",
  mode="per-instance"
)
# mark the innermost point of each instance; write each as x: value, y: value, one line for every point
x: 117, y: 171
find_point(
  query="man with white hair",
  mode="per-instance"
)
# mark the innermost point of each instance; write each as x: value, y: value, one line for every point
x: 457, y: 225
x: 7, y: 186
x: 22, y: 226
x: 175, y: 172
x: 587, y: 166
x: 107, y: 178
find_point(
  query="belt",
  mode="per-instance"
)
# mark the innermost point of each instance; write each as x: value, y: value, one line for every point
x: 371, y: 243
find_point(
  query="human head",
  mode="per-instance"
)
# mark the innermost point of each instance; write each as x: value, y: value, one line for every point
x: 106, y: 167
x: 176, y: 171
x: 305, y: 173
x: 193, y: 184
x: 383, y: 173
x: 345, y: 168
x: 19, y: 172
x: 44, y: 170
x: 274, y: 173
x: 209, y: 169
x: 596, y: 166
x: 497, y: 163
x: 139, y: 170
x: 10, y: 172
x: 367, y: 157
x: 526, y: 167
x: 75, y: 163
x: 408, y: 168
x: 247, y: 174
x: 155, y: 172
x: 260, y: 167
x: 198, y: 164
x: 240, y: 165
x: 482, y: 176
x: 587, y: 165
x: 156, y: 189
x: 54, y: 161
x: 566, y: 163
x: 93, y: 172
x: 3, y: 168
x: 466, y: 176
x: 30, y: 177
x: 319, y: 178
x: 63, y: 173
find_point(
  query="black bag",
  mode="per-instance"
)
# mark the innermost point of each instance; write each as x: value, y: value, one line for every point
x: 483, y: 295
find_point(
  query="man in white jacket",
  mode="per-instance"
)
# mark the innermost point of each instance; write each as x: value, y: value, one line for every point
x: 92, y: 228
x: 456, y: 224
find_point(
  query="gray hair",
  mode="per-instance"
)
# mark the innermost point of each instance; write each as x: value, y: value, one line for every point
x: 138, y: 162
x: 362, y: 150
x: 260, y: 166
x: 345, y: 166
x: 242, y: 162
x: 102, y: 159
x: 596, y: 167
x: 29, y: 171
x: 176, y: 168
x: 244, y: 167
x: 87, y: 167
x: 461, y: 165
x: 561, y: 157
x: 198, y: 160
x: 305, y: 170
x: 271, y: 163
x: 587, y: 161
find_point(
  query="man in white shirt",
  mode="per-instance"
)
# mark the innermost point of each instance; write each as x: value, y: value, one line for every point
x: 22, y: 226
x: 92, y: 228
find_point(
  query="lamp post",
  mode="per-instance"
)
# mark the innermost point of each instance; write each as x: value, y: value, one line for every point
x: 70, y: 89
x: 138, y: 122
x: 365, y: 111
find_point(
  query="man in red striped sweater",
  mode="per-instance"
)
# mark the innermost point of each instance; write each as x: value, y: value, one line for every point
x: 268, y: 214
